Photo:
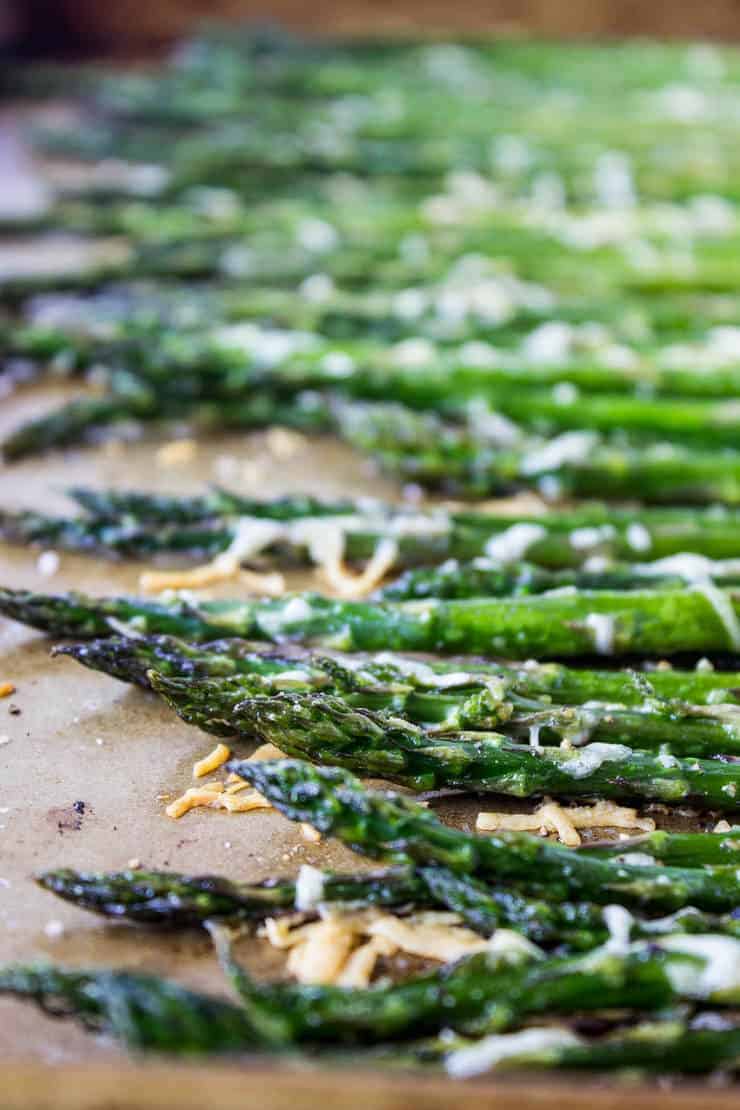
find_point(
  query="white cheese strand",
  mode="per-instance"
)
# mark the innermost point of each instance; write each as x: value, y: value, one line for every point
x: 720, y: 973
x: 723, y: 607
x: 619, y: 922
x: 512, y: 544
x: 571, y: 447
x: 589, y: 759
x: 601, y: 626
x: 309, y: 888
x: 522, y: 1047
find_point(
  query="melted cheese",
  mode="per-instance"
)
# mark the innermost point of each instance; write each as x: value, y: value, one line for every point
x: 309, y: 888
x: 527, y: 1046
x: 619, y: 922
x: 512, y: 545
x: 601, y: 627
x: 571, y: 447
x: 322, y: 955
x: 359, y: 966
x: 177, y: 453
x: 591, y: 758
x: 430, y: 939
x: 722, y: 605
x: 719, y: 973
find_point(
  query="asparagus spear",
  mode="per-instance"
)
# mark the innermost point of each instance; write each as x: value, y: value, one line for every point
x: 663, y: 622
x: 180, y: 901
x: 79, y: 421
x: 436, y: 684
x: 422, y: 448
x: 325, y: 730
x: 479, y: 994
x: 486, y: 578
x: 390, y: 827
x: 223, y: 706
x: 159, y: 508
x: 138, y: 525
x: 683, y: 849
x: 653, y: 1046
x: 142, y: 1011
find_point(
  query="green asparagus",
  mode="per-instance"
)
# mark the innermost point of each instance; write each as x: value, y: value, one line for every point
x: 181, y: 901
x: 324, y: 729
x: 227, y: 707
x: 142, y: 1011
x: 396, y: 829
x: 663, y: 622
x: 481, y: 994
x: 435, y: 686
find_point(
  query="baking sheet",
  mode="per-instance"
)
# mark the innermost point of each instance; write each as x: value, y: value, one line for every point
x: 81, y: 737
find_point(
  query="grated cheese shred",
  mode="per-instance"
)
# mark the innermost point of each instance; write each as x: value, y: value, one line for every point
x: 212, y: 761
x: 565, y: 821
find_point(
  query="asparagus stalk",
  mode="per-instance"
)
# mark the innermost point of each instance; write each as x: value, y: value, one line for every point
x: 142, y: 1011
x: 663, y: 622
x: 138, y: 525
x: 480, y: 994
x: 385, y: 825
x: 422, y: 448
x: 179, y: 901
x: 224, y: 706
x: 80, y: 420
x: 437, y: 686
x: 158, y: 508
x: 325, y: 730
x: 663, y: 1047
x: 486, y: 578
x: 682, y: 849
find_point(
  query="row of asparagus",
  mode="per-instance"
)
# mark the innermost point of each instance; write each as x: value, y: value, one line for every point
x: 498, y: 730
x: 511, y: 880
x: 477, y: 554
x: 702, y: 619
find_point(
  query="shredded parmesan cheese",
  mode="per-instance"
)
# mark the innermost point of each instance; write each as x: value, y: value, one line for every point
x: 342, y: 948
x: 360, y: 964
x: 565, y: 821
x: 321, y: 956
x: 215, y: 797
x: 212, y: 761
x: 267, y: 752
x: 177, y: 453
x: 619, y: 922
x: 242, y: 803
x: 198, y: 578
x: 435, y: 941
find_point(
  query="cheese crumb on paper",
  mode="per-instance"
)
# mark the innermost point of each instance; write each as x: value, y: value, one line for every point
x: 212, y: 761
x: 234, y: 794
